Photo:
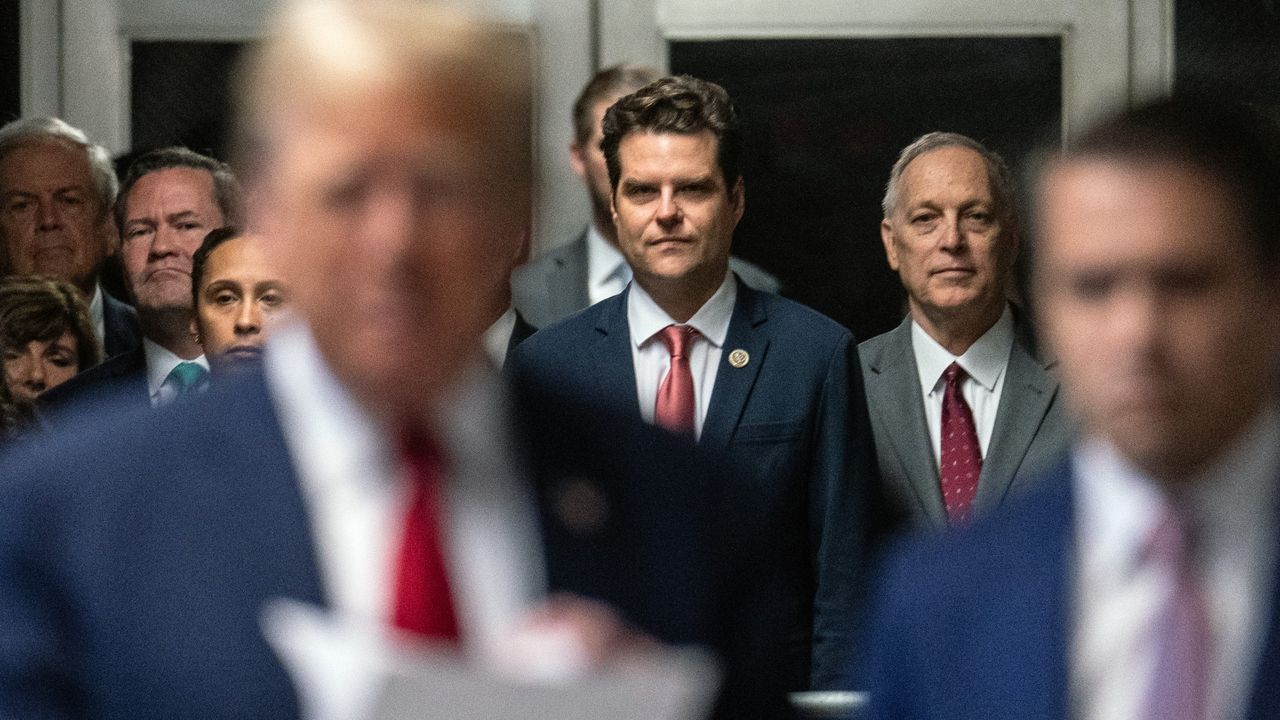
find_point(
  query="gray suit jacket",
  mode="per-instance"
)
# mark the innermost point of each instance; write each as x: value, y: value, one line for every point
x: 554, y: 286
x: 1031, y: 431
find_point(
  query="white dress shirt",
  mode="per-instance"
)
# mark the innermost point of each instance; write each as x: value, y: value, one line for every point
x: 985, y: 363
x: 1231, y: 512
x: 161, y: 362
x: 651, y: 358
x: 356, y: 495
x: 97, y: 316
x: 497, y: 338
x: 607, y: 270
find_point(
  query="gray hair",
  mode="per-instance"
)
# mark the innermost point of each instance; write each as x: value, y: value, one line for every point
x: 998, y: 176
x: 24, y: 130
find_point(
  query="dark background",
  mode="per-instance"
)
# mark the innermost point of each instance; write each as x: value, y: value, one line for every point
x: 824, y: 120
x: 9, y: 71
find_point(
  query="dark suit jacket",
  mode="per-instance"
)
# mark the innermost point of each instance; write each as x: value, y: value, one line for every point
x: 554, y: 286
x: 131, y: 580
x: 976, y: 623
x: 1032, y: 428
x: 793, y: 423
x: 122, y: 379
x: 120, y: 322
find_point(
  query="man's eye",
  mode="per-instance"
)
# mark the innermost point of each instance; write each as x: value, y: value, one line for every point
x: 62, y: 361
x: 641, y: 193
x: 19, y: 205
x: 225, y: 298
x: 1090, y: 286
x: 189, y: 225
x: 136, y: 232
x: 272, y: 299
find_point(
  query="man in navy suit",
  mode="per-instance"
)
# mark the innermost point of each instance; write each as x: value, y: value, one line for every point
x: 58, y: 189
x: 1139, y: 579
x: 590, y: 268
x: 170, y: 199
x: 377, y: 466
x: 772, y: 386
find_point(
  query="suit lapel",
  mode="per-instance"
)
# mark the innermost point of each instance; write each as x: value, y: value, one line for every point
x: 1264, y: 698
x: 609, y: 358
x: 567, y: 286
x: 747, y: 331
x: 1028, y: 391
x: 893, y: 391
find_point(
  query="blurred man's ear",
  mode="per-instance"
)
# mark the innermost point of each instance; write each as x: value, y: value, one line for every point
x: 576, y: 160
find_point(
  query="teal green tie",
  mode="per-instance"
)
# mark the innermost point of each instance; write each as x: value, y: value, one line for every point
x: 186, y: 378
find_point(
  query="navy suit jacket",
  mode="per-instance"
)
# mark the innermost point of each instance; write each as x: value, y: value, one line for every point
x: 133, y: 566
x: 120, y: 380
x: 120, y: 323
x: 976, y: 623
x: 793, y: 423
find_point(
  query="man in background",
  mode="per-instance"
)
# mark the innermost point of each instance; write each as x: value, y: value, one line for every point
x: 571, y: 276
x: 57, y: 190
x: 1138, y: 579
x: 965, y: 409
x: 771, y: 385
x: 169, y: 201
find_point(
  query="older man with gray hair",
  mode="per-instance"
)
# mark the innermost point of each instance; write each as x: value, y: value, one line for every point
x: 963, y: 407
x: 57, y: 189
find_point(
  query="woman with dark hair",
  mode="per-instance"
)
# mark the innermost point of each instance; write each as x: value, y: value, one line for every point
x: 45, y: 338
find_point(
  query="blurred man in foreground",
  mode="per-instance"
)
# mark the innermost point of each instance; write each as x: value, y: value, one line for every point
x: 1138, y: 581
x: 377, y: 466
x: 238, y: 297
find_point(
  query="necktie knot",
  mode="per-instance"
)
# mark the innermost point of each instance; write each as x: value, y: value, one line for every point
x: 678, y: 338
x: 954, y: 374
x: 185, y: 377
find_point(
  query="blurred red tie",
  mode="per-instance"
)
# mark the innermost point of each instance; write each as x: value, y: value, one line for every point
x: 423, y: 604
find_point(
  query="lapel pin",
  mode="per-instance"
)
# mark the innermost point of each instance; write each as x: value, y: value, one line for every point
x: 739, y: 358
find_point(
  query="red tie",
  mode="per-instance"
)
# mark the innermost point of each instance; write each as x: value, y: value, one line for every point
x: 961, y: 457
x: 423, y: 603
x: 674, y: 409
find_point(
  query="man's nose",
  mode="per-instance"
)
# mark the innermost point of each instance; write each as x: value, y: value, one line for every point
x: 669, y: 212
x: 952, y: 238
x: 48, y: 215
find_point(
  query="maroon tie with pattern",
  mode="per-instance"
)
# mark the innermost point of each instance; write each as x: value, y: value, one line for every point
x: 674, y: 407
x: 961, y: 456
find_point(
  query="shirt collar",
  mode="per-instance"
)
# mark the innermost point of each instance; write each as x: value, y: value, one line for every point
x: 984, y: 361
x: 160, y: 362
x: 317, y: 412
x: 711, y: 320
x: 1120, y: 505
x: 497, y: 338
x: 604, y: 260
x: 97, y: 315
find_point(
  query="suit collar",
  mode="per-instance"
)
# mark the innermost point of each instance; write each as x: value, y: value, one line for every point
x: 748, y: 332
x: 893, y: 389
x: 610, y: 355
x: 1029, y: 391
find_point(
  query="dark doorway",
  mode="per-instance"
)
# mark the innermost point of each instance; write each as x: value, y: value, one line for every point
x: 825, y: 119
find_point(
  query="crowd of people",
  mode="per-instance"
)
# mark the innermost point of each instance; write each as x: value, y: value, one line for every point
x: 333, y: 381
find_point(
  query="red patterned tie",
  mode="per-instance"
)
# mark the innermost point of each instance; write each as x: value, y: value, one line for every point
x: 674, y: 408
x: 961, y: 456
x: 423, y: 604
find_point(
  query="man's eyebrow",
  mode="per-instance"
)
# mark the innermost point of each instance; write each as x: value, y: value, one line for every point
x: 181, y: 215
